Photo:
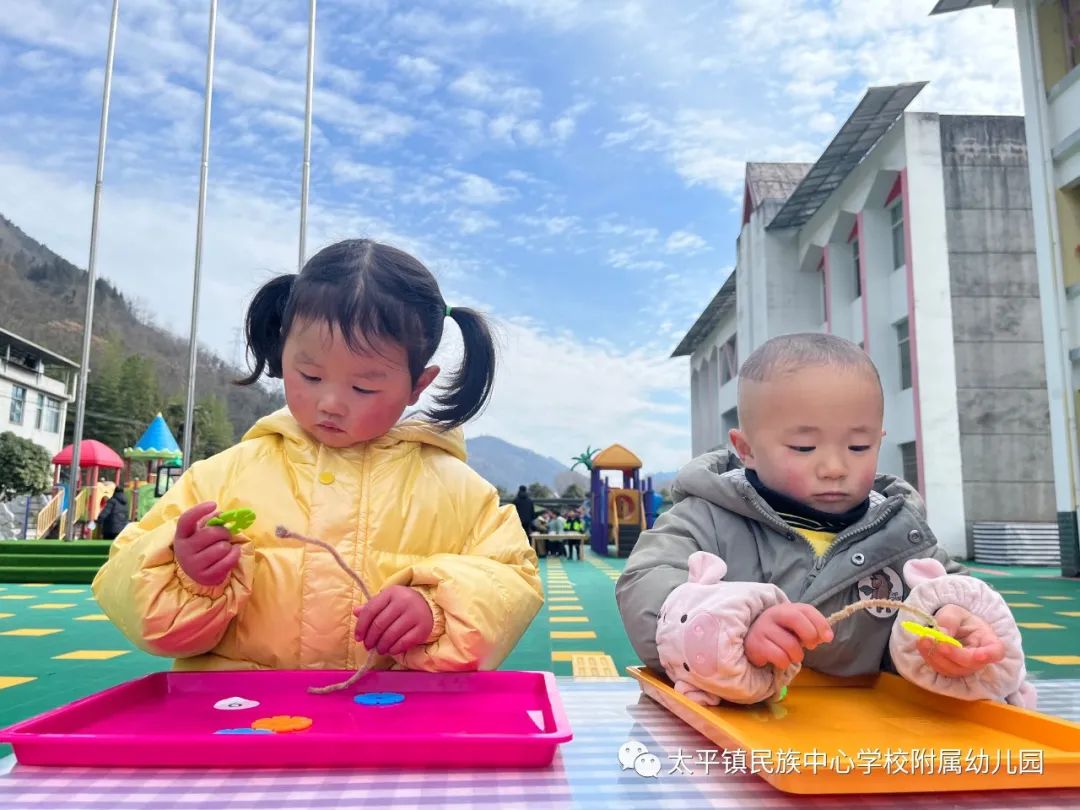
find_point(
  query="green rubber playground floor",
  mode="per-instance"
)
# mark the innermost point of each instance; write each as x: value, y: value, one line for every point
x: 57, y: 646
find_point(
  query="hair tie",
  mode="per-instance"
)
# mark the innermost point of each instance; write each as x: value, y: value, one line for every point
x: 448, y: 310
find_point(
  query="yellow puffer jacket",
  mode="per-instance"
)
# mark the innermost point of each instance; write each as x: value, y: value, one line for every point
x: 403, y: 509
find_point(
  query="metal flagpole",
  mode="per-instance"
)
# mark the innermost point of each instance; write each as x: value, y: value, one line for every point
x: 91, y: 280
x: 193, y: 340
x: 306, y: 170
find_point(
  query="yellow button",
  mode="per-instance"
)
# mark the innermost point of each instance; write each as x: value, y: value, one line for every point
x: 326, y: 477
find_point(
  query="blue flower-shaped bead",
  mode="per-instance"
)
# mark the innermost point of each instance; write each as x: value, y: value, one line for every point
x: 243, y: 731
x: 379, y: 698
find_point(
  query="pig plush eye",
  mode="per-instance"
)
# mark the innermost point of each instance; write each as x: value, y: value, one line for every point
x: 683, y: 618
x: 686, y: 666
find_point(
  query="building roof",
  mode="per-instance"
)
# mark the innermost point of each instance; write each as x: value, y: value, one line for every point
x: 723, y: 302
x: 773, y: 181
x: 28, y: 347
x: 945, y: 6
x: 616, y: 457
x: 876, y: 112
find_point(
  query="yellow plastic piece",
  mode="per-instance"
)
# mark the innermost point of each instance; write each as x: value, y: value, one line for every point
x: 882, y: 734
x: 930, y: 632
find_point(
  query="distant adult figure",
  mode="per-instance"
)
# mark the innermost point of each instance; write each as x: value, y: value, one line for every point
x: 114, y: 517
x: 524, y: 506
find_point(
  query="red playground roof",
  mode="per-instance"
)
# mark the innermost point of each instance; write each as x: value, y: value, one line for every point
x: 92, y: 453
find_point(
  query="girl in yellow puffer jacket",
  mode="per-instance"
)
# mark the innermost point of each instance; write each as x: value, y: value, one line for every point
x: 456, y: 580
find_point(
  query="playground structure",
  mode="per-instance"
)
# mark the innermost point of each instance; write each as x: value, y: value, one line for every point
x: 158, y: 448
x: 91, y: 491
x: 619, y: 514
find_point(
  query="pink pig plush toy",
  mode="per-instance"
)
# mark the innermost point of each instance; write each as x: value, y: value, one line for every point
x: 700, y: 635
x: 932, y: 589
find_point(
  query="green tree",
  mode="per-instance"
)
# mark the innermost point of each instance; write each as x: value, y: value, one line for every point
x: 24, y: 466
x: 538, y: 490
x: 213, y: 430
x: 573, y: 491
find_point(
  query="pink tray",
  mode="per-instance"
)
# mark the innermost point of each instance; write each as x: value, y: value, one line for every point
x: 470, y: 720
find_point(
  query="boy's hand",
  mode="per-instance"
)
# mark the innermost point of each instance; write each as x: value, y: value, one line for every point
x: 205, y: 553
x: 395, y: 620
x: 981, y: 644
x: 779, y: 635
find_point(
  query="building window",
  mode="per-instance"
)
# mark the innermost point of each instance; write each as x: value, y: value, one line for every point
x: 40, y: 412
x: 896, y: 219
x: 910, y: 461
x: 18, y: 404
x: 52, y: 415
x: 857, y: 266
x: 904, y: 345
x: 1070, y: 24
x: 729, y: 364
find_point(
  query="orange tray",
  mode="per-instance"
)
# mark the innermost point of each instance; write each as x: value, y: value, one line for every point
x: 880, y: 734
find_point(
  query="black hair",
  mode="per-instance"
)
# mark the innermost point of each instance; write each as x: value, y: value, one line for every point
x: 371, y: 292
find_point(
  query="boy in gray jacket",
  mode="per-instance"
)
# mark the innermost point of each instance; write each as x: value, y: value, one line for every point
x: 729, y: 591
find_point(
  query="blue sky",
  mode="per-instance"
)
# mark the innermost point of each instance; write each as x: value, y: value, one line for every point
x: 572, y: 167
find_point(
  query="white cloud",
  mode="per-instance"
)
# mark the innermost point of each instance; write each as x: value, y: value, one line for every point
x: 635, y: 398
x: 628, y: 260
x: 685, y: 242
x: 486, y: 87
x: 470, y: 222
x: 476, y: 190
x: 423, y: 72
x: 380, y: 177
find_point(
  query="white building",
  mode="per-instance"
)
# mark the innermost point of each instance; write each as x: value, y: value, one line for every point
x: 36, y: 386
x: 1048, y: 40
x: 912, y: 236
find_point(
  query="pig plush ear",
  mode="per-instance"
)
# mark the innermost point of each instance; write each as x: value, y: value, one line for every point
x: 916, y: 571
x: 706, y: 568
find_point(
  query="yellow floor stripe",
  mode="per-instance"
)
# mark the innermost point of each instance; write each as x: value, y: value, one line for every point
x: 565, y: 607
x: 1072, y: 614
x: 93, y: 617
x: 37, y: 584
x: 1022, y: 604
x: 17, y: 596
x: 6, y: 615
x: 8, y: 680
x: 1057, y: 598
x: 568, y: 656
x: 556, y: 634
x: 587, y: 665
x: 90, y: 655
x: 1040, y: 626
x: 1061, y: 660
x: 32, y: 632
x: 53, y: 606
x: 550, y: 599
x: 568, y: 618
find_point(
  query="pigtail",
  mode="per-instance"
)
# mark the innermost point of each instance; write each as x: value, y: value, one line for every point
x: 262, y: 328
x: 469, y: 388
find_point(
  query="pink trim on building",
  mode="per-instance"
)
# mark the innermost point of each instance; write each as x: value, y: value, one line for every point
x: 862, y: 284
x: 913, y: 345
x: 896, y: 191
x: 854, y: 232
x: 827, y: 279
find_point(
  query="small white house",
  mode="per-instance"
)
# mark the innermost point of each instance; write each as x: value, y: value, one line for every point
x: 36, y: 386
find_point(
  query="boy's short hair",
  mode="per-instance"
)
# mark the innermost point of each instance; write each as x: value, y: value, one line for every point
x: 786, y: 353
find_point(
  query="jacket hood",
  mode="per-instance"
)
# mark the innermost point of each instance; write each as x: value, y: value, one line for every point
x: 719, y: 478
x: 283, y: 423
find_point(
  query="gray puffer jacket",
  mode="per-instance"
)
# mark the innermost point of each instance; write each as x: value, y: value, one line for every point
x: 718, y: 511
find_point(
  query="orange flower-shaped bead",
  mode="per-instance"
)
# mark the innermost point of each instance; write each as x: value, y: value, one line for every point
x: 282, y: 723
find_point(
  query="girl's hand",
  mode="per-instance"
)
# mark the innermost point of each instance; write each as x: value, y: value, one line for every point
x: 981, y: 644
x: 205, y: 553
x: 779, y: 635
x: 395, y: 620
